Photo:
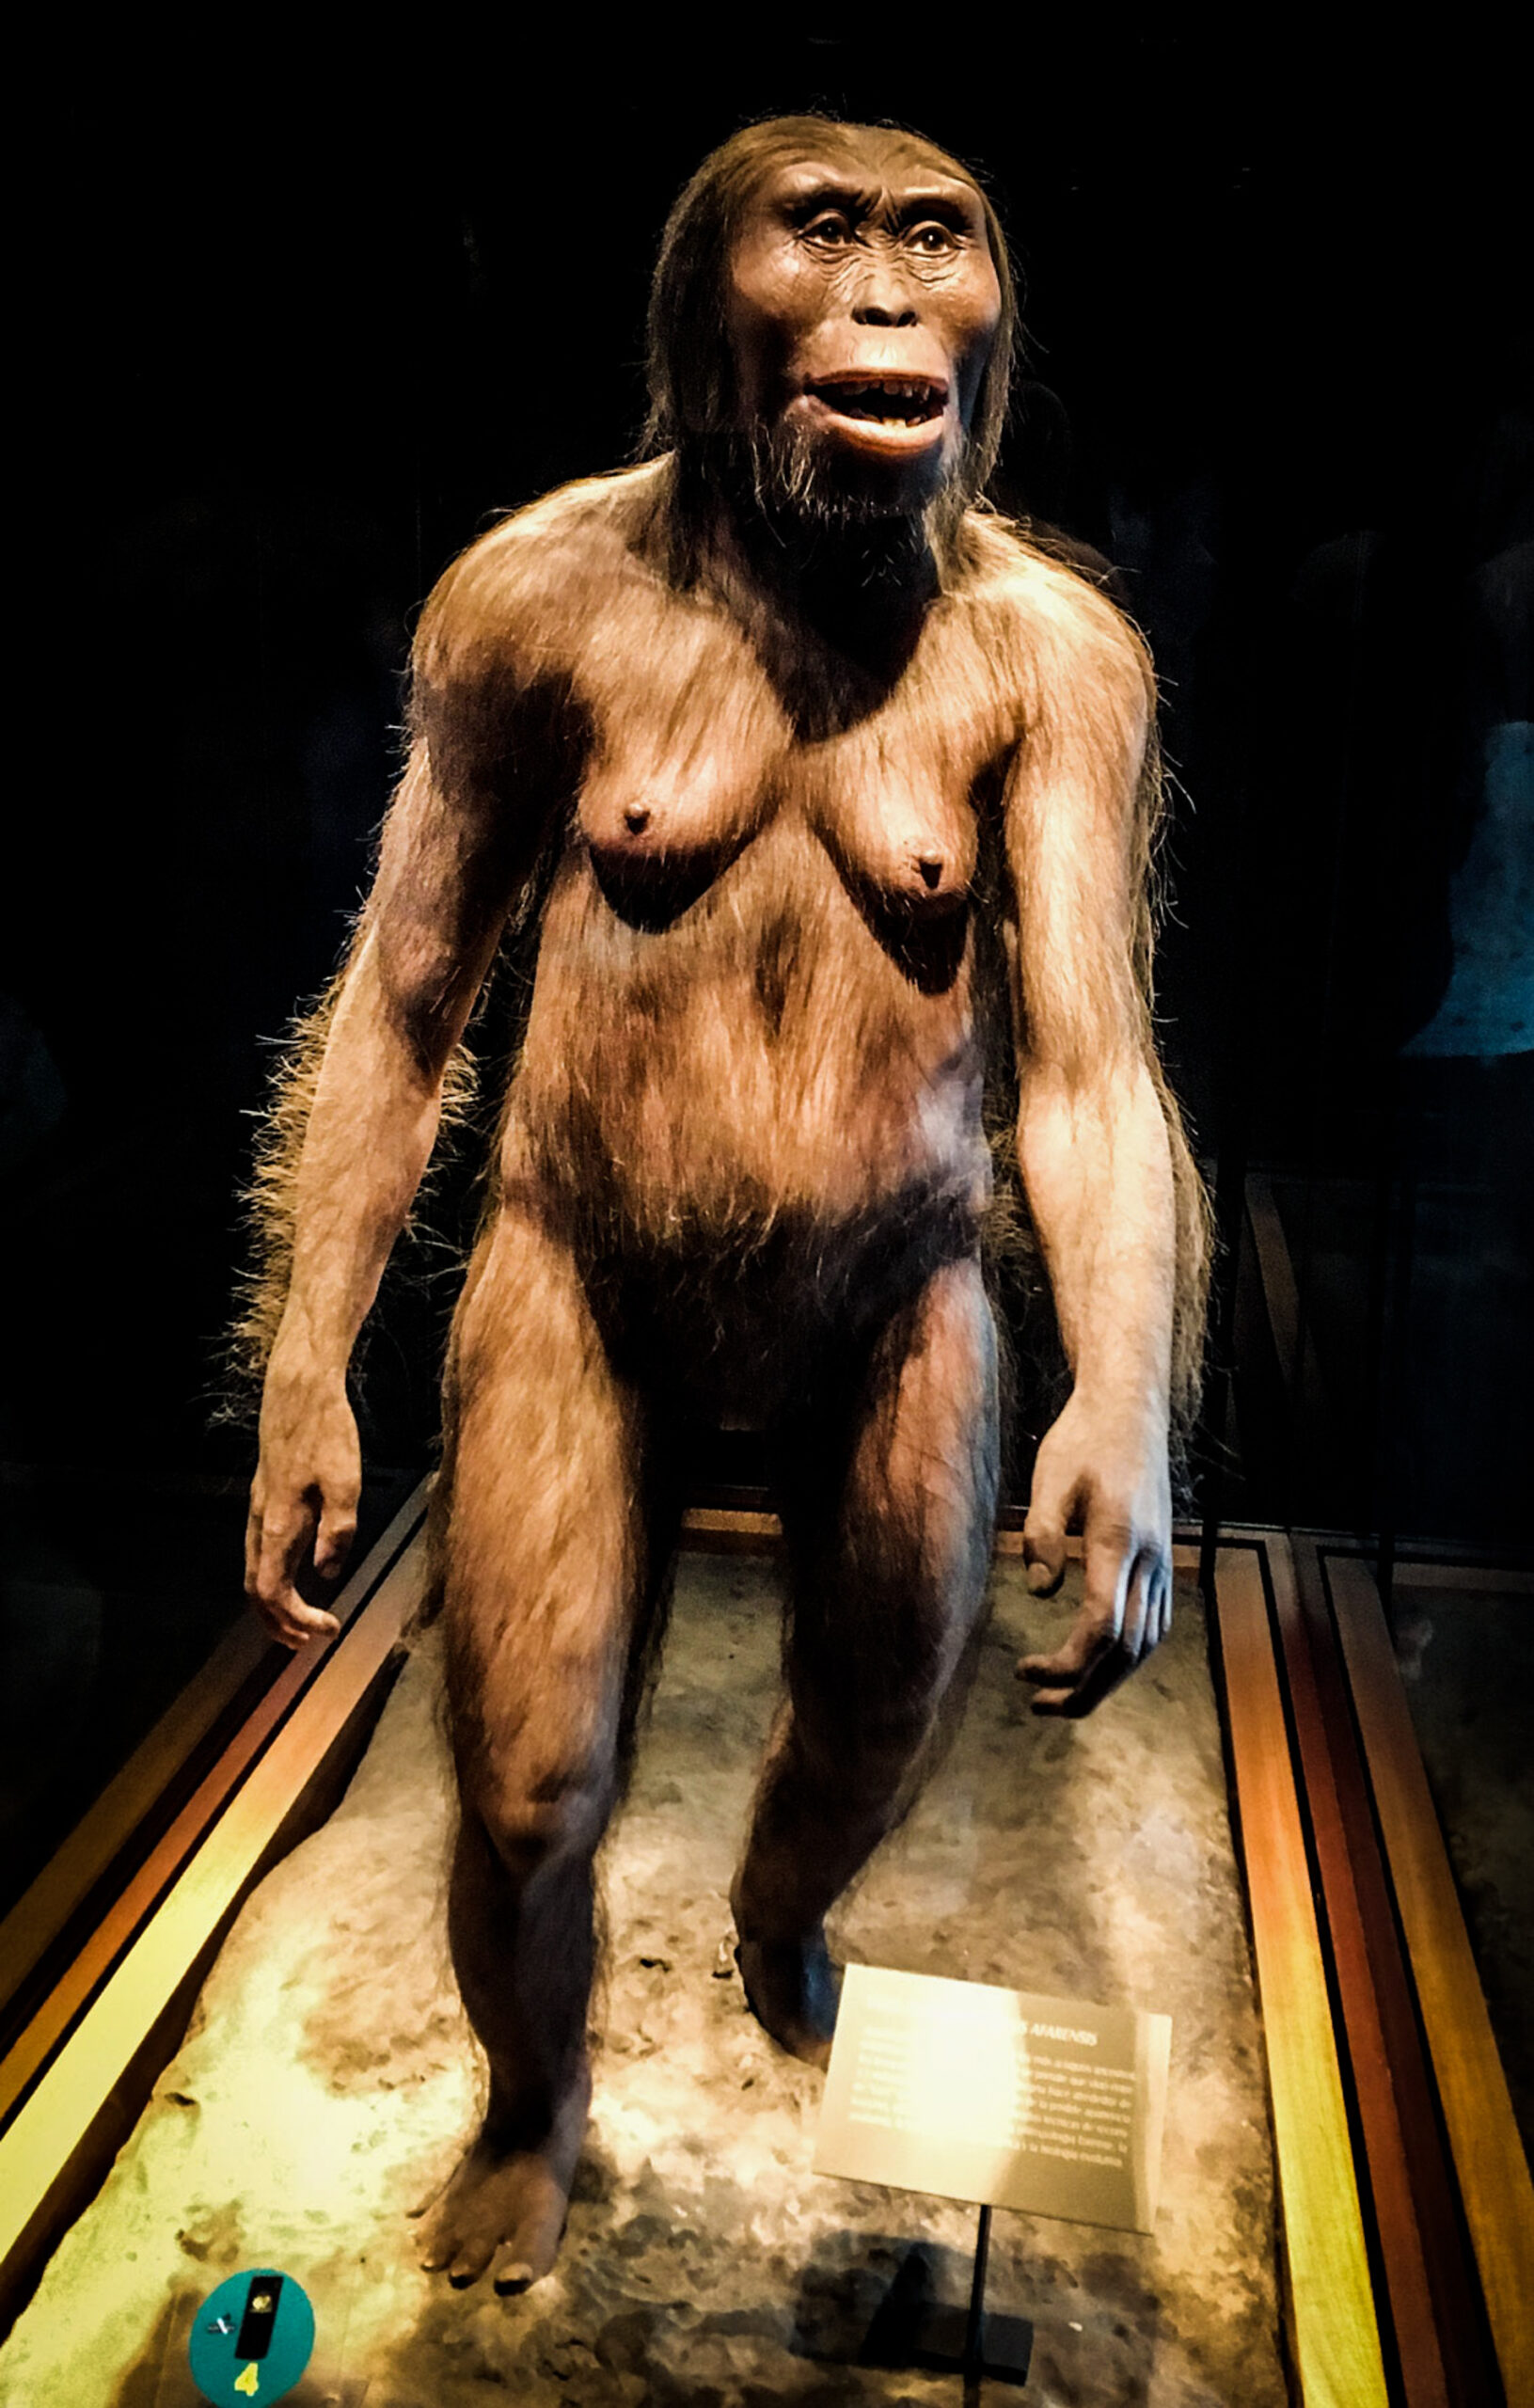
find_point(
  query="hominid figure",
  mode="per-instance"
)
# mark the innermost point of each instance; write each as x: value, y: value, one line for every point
x: 757, y: 705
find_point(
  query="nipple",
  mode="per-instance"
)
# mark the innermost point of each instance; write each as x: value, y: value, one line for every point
x: 930, y: 866
x: 636, y: 817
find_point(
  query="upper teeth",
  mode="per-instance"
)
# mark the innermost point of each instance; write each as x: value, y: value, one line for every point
x: 894, y: 397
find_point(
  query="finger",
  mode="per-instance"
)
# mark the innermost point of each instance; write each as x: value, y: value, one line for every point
x: 1089, y: 1638
x: 283, y: 1540
x: 1146, y: 1610
x: 277, y: 1601
x: 1137, y: 1636
x: 1044, y: 1535
x: 298, y: 1623
x: 294, y: 1623
x: 1108, y: 1573
x: 1103, y: 1644
x: 338, y: 1529
x: 1164, y: 1605
x: 1100, y: 1617
x: 1082, y: 1695
x: 1085, y: 1696
x: 1158, y: 1587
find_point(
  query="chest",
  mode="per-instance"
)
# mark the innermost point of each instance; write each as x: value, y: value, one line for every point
x: 696, y: 755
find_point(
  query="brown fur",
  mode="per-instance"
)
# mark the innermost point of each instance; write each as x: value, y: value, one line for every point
x: 548, y: 568
x: 269, y: 1200
x: 829, y: 795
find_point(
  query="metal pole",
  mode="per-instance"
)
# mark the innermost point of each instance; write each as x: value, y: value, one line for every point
x: 974, y: 2330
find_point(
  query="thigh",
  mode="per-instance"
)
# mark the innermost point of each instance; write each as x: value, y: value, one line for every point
x: 888, y: 1508
x: 551, y: 1536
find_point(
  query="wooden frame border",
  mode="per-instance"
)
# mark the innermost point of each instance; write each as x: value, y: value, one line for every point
x: 84, y: 2099
x: 1334, y: 2331
x: 86, y: 1854
x: 80, y: 2073
x: 732, y: 1529
x: 1489, y: 2163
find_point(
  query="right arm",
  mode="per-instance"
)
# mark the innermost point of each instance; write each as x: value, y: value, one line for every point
x: 455, y: 849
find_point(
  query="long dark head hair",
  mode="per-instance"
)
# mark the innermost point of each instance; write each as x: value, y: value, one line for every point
x: 690, y: 368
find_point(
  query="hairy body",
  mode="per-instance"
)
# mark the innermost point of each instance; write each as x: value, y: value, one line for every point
x: 741, y: 1167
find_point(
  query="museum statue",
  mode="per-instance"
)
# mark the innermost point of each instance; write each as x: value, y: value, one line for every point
x: 819, y: 771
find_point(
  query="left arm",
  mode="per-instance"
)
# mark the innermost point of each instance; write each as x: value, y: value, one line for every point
x: 1094, y: 1149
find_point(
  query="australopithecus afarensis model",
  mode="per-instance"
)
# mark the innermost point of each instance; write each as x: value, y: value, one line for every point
x: 756, y: 714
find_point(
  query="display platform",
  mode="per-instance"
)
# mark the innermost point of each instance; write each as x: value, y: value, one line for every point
x: 1467, y: 1650
x: 328, y: 2079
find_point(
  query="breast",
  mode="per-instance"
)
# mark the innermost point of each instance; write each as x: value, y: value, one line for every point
x: 684, y: 775
x: 910, y: 842
x: 659, y: 833
x: 903, y: 842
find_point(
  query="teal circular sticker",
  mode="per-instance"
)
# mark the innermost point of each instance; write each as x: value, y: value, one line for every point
x: 251, y: 2338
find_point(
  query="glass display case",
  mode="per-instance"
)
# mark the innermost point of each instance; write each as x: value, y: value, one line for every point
x: 295, y: 353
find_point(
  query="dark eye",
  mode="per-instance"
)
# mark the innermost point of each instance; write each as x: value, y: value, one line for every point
x: 830, y: 229
x: 933, y: 238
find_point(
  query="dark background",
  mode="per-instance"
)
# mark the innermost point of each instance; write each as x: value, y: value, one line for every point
x: 292, y: 338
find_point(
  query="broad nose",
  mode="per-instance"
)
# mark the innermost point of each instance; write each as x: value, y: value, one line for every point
x: 881, y: 296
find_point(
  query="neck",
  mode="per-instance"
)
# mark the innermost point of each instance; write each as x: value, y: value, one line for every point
x: 862, y: 584
x: 863, y: 579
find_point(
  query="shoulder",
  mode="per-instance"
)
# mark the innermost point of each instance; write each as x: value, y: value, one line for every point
x: 1048, y: 629
x: 519, y: 595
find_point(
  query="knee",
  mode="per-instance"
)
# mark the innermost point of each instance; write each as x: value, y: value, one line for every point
x: 884, y: 1753
x: 861, y: 1750
x: 537, y: 1817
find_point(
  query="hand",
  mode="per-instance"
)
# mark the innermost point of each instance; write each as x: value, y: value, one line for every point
x: 307, y: 1486
x: 1106, y: 1475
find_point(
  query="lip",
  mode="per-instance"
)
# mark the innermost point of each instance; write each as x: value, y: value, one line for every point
x: 848, y: 401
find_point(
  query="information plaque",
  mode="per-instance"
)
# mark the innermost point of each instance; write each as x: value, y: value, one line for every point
x: 1000, y: 2096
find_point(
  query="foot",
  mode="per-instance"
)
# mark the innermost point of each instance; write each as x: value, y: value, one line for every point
x: 505, y: 2208
x: 792, y: 1988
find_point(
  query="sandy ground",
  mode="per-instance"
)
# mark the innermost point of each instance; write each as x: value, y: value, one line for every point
x: 328, y: 2080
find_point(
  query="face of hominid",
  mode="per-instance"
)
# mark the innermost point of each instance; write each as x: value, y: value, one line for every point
x: 861, y: 310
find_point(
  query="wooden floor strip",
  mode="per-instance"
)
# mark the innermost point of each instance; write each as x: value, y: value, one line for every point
x: 1334, y: 2331
x: 54, y: 2125
x: 734, y: 1530
x: 72, y: 1871
x: 42, y: 2034
x: 1361, y: 1929
x: 1512, y: 1582
x: 1489, y: 2159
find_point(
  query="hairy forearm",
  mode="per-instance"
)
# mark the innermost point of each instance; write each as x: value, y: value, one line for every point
x: 1095, y: 1162
x: 368, y: 1139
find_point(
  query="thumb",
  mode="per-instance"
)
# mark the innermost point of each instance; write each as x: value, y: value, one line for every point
x: 1044, y: 1533
x: 332, y: 1540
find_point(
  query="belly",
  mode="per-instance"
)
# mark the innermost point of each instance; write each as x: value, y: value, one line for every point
x: 772, y: 1058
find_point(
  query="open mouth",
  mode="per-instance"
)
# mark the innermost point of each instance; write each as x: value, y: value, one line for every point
x: 883, y: 401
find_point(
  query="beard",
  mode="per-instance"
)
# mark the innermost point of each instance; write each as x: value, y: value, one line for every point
x: 797, y: 480
x: 818, y: 521
x: 794, y: 477
x: 835, y: 545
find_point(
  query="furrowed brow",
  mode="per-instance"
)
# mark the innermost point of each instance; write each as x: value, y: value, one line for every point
x: 831, y: 192
x: 949, y: 206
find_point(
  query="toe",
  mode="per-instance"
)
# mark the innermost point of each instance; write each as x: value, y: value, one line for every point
x: 468, y: 2264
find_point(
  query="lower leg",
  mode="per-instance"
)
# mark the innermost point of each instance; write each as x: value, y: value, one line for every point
x: 523, y: 1950
x: 810, y: 1834
x: 890, y: 1586
x: 542, y: 1602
